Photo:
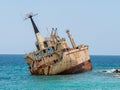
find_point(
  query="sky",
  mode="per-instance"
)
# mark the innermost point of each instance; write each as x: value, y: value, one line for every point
x: 95, y: 23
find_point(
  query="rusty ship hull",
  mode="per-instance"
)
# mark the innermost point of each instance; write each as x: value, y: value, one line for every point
x: 54, y: 56
x: 72, y: 61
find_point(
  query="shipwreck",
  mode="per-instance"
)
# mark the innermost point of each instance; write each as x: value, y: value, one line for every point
x: 54, y: 56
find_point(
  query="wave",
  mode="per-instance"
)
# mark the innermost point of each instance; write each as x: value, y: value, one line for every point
x: 115, y: 72
x: 109, y: 71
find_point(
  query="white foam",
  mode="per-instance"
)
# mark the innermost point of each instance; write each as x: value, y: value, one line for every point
x: 109, y: 71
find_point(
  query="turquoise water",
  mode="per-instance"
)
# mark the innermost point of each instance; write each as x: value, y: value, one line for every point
x: 14, y: 76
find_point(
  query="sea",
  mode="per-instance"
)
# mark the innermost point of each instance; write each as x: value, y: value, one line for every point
x: 14, y: 75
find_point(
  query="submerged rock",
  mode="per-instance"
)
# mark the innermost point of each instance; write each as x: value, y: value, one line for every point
x: 112, y: 71
x: 117, y: 71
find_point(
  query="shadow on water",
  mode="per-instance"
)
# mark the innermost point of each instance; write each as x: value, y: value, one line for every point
x: 60, y: 78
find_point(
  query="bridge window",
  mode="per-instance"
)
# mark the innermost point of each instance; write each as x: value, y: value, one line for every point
x: 37, y: 46
x: 45, y: 44
x: 49, y: 50
x: 38, y: 54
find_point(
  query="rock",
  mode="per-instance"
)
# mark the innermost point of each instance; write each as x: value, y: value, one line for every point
x: 117, y: 71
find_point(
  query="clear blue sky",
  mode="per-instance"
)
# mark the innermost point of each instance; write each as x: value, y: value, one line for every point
x: 92, y: 22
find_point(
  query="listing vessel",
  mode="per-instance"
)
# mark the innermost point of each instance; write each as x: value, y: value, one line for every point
x: 54, y: 56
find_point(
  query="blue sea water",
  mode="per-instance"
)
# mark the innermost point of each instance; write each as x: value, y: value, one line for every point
x: 15, y: 76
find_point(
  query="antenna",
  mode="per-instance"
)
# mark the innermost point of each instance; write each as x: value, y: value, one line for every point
x: 30, y: 15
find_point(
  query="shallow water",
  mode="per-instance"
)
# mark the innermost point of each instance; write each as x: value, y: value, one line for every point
x: 14, y: 76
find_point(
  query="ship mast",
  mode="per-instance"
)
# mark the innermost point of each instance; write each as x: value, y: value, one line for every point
x: 40, y: 39
x: 71, y: 39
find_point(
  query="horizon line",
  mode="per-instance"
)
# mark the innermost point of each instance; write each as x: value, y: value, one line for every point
x: 89, y: 54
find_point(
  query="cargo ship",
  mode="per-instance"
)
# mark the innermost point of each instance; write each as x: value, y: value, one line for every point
x: 53, y: 55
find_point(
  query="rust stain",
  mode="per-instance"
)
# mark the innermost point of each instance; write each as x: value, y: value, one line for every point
x: 48, y: 70
x: 78, y: 68
x: 43, y: 71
